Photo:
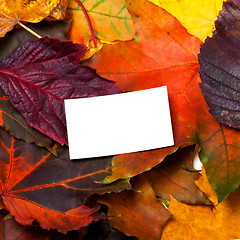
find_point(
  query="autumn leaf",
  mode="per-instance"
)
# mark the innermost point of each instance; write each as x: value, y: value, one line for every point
x: 10, y: 229
x: 196, y: 16
x: 137, y: 212
x: 17, y: 37
x: 13, y: 121
x: 163, y: 53
x: 176, y: 177
x: 110, y: 19
x: 219, y: 63
x: 59, y: 12
x: 39, y: 75
x: 36, y: 185
x: 15, y: 12
x: 201, y: 221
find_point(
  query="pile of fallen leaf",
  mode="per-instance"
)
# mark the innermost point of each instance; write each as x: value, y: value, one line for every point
x: 119, y: 46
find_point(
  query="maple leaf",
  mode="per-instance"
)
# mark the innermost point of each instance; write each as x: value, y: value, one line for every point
x: 201, y: 221
x: 163, y: 53
x: 110, y: 19
x: 36, y: 185
x: 219, y: 67
x: 39, y: 75
x: 196, y: 16
x: 15, y: 12
x: 170, y: 178
x: 135, y: 208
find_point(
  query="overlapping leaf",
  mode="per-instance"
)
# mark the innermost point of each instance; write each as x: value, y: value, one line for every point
x: 17, y: 37
x: 170, y: 178
x: 196, y: 16
x: 35, y: 185
x: 163, y: 53
x: 110, y: 19
x: 10, y: 229
x: 39, y: 75
x: 137, y: 212
x: 198, y: 222
x: 13, y: 121
x: 219, y: 59
x: 13, y: 12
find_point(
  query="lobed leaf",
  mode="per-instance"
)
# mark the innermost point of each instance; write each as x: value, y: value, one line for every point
x: 36, y: 185
x: 163, y: 53
x: 201, y: 221
x: 219, y: 59
x: 39, y: 75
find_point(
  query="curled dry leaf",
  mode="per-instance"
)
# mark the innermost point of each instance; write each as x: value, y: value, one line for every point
x: 40, y: 74
x: 13, y: 12
x: 164, y: 53
x: 219, y: 70
x: 36, y: 185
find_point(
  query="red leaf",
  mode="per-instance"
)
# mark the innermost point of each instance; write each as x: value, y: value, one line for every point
x: 36, y: 185
x: 39, y: 75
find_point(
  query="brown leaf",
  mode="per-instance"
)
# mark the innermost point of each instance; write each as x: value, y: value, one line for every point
x: 170, y: 178
x: 137, y: 212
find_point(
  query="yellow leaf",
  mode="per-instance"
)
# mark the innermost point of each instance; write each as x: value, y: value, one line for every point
x: 204, y: 222
x: 110, y: 19
x: 59, y: 12
x: 12, y: 12
x: 197, y: 16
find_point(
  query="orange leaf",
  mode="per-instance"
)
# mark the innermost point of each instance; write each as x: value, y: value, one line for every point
x: 201, y: 222
x: 164, y: 53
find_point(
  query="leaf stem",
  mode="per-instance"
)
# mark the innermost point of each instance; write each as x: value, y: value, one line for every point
x: 29, y: 30
x: 89, y: 23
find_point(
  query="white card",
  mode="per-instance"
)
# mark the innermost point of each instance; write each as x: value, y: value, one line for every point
x: 118, y: 123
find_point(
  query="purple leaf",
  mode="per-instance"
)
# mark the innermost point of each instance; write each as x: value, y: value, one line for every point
x: 40, y: 74
x: 220, y: 69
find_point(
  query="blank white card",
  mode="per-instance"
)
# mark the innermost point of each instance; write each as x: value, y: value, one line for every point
x: 119, y: 123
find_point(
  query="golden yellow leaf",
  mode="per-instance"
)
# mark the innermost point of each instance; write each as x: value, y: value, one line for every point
x: 12, y: 12
x: 197, y: 16
x: 59, y: 12
x: 204, y: 222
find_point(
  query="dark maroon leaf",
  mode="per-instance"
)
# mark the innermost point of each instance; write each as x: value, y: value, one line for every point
x: 39, y: 75
x: 220, y: 70
x: 13, y: 121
